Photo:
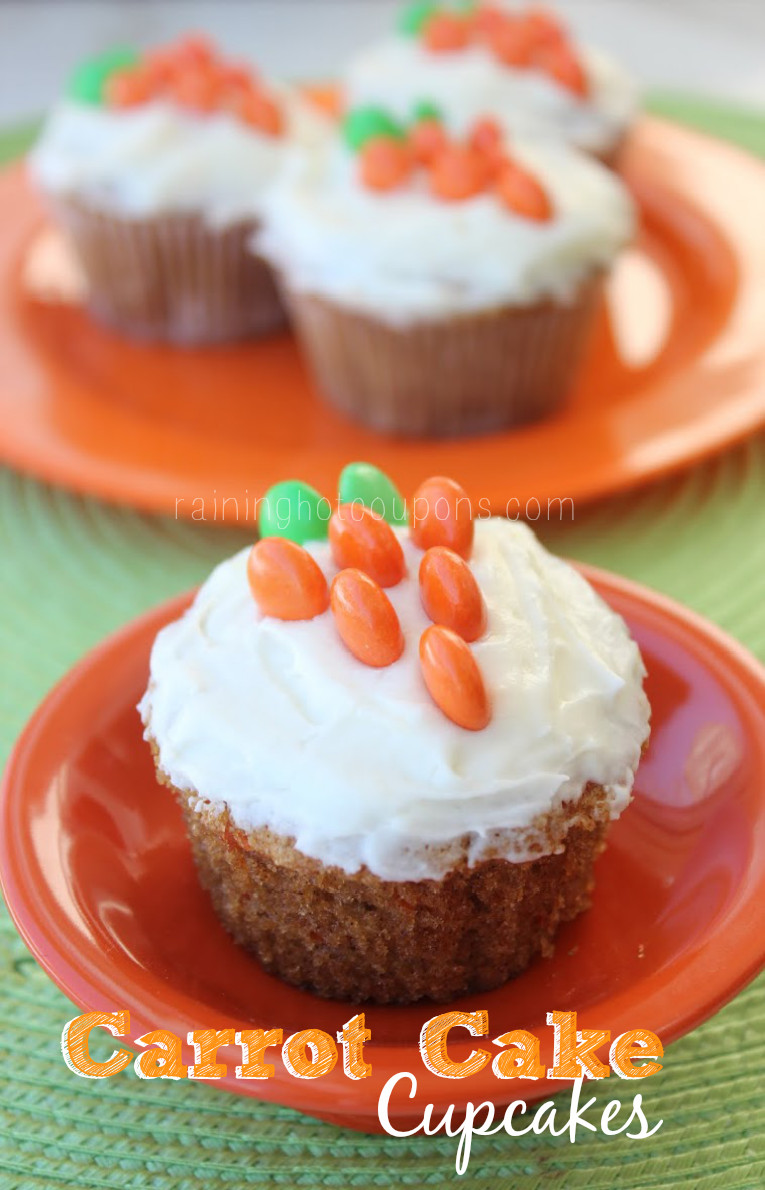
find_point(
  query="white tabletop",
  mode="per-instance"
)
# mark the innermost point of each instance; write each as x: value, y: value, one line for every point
x: 712, y: 47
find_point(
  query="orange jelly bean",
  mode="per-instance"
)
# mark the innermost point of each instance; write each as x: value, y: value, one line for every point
x: 195, y: 49
x: 446, y: 31
x: 128, y: 88
x: 285, y: 581
x: 260, y: 111
x: 513, y: 42
x: 366, y: 619
x: 450, y: 593
x: 457, y: 173
x: 486, y: 139
x: 196, y: 89
x: 453, y: 679
x: 362, y: 539
x: 486, y: 136
x: 560, y: 62
x: 161, y: 66
x: 486, y: 19
x: 544, y: 25
x: 385, y: 162
x: 523, y: 194
x: 427, y: 139
x: 238, y: 76
x: 442, y: 515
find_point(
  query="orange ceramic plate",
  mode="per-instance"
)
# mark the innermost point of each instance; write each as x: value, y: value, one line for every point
x: 98, y: 876
x: 158, y: 427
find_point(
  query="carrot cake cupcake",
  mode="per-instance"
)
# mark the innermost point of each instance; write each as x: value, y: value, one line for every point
x: 156, y: 164
x: 398, y: 749
x: 442, y: 285
x: 519, y: 65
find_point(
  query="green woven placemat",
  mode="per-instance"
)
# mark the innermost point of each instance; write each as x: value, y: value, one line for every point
x: 73, y: 570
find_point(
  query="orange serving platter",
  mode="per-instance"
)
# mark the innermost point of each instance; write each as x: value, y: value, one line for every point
x: 176, y: 431
x: 98, y: 875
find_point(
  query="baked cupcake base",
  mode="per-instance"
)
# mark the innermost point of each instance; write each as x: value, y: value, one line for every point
x: 360, y: 938
x: 464, y: 375
x: 173, y: 277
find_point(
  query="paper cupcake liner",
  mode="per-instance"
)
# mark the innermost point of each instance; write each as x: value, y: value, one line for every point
x: 172, y: 277
x: 463, y: 375
x: 613, y: 156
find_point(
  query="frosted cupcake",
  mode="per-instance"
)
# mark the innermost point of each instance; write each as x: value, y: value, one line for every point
x: 397, y: 748
x: 442, y: 286
x: 518, y: 65
x: 156, y: 165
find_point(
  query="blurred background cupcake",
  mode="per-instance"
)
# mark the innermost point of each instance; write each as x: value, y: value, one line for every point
x: 156, y: 164
x: 442, y: 286
x: 518, y: 65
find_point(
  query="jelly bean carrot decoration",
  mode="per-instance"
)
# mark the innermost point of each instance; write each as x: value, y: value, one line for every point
x: 363, y: 483
x: 530, y: 40
x: 295, y: 510
x: 259, y: 110
x: 285, y: 581
x: 561, y: 63
x: 190, y: 74
x: 362, y: 124
x: 453, y: 678
x: 442, y: 515
x: 385, y: 163
x: 127, y: 88
x: 450, y: 594
x: 546, y: 26
x: 363, y: 540
x: 486, y: 137
x: 415, y: 16
x: 195, y: 88
x: 521, y: 192
x: 457, y: 173
x: 425, y: 109
x: 90, y: 80
x: 486, y: 19
x: 366, y: 619
x: 391, y: 157
x: 446, y: 31
x: 196, y: 49
x: 513, y: 42
x: 427, y: 139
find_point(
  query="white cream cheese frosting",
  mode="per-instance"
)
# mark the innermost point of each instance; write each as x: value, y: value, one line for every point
x: 279, y: 722
x: 406, y: 254
x: 160, y: 158
x: 467, y: 84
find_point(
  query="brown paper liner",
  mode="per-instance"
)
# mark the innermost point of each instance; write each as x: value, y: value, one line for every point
x: 463, y: 375
x: 172, y: 277
x: 613, y: 158
x: 357, y: 937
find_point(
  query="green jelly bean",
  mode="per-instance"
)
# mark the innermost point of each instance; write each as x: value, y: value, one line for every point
x: 372, y: 488
x: 294, y: 510
x: 362, y: 123
x: 89, y: 79
x: 425, y: 110
x: 412, y: 19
